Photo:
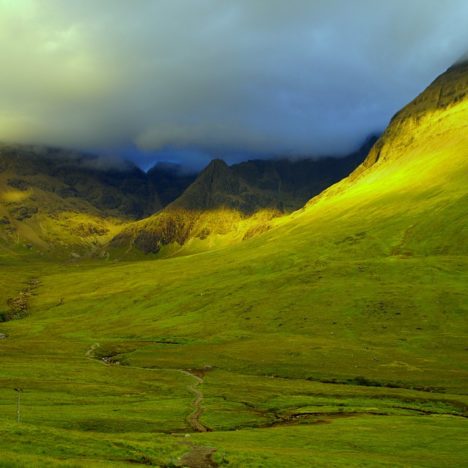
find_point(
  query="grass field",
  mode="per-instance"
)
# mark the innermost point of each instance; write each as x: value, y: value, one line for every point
x: 337, y: 338
x: 308, y: 367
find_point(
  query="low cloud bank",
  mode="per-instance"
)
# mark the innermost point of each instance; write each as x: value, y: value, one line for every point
x: 229, y: 78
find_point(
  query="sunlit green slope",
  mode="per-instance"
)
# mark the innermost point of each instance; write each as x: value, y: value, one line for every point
x: 228, y: 204
x: 337, y: 338
x: 410, y: 191
x: 412, y: 187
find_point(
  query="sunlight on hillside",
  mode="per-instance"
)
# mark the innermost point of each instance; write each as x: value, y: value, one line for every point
x: 14, y: 195
x: 202, y: 320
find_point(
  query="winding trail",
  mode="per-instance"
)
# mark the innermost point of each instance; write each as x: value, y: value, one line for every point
x: 197, y: 456
x: 193, y: 419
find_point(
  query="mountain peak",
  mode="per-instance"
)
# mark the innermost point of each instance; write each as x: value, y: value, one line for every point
x: 217, y: 162
x: 448, y: 90
x: 215, y: 165
x: 205, y: 192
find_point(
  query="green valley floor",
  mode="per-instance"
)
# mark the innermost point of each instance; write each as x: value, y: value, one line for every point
x: 236, y: 357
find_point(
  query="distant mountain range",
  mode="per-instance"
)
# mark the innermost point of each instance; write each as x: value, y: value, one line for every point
x: 65, y: 201
x: 57, y: 198
x: 280, y: 184
x: 237, y: 201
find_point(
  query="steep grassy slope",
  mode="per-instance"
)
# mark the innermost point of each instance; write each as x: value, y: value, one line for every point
x: 337, y: 338
x: 414, y: 178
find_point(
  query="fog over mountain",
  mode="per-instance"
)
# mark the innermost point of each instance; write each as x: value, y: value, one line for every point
x: 189, y: 80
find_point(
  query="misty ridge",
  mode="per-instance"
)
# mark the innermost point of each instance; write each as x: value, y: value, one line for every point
x: 61, y: 157
x: 111, y: 183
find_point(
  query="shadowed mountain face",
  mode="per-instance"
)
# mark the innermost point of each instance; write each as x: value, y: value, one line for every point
x: 60, y: 198
x: 113, y: 188
x: 222, y: 198
x: 278, y: 184
x: 170, y: 181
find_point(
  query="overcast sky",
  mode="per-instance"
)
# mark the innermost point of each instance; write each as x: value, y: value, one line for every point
x: 191, y: 79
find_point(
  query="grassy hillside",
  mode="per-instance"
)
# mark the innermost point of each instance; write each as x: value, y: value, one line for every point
x: 73, y: 203
x: 227, y: 204
x: 283, y: 344
x: 336, y: 338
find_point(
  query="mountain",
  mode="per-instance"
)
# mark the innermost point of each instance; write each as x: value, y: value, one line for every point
x: 335, y: 338
x: 58, y: 198
x: 112, y: 187
x: 226, y: 203
x: 414, y: 178
x: 287, y: 184
x: 52, y: 197
x: 279, y: 184
x: 446, y: 92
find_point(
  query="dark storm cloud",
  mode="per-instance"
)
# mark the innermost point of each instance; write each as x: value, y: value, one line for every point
x: 218, y: 76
